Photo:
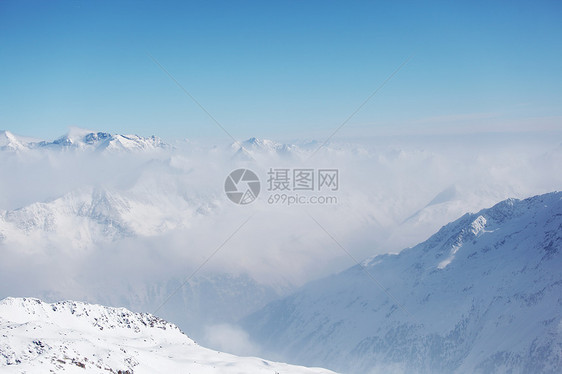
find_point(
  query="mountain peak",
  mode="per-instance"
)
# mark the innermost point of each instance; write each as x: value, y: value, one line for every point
x: 12, y: 142
x: 260, y: 144
x: 77, y: 133
x: 9, y: 141
x: 78, y: 138
x: 481, y: 295
x: 264, y: 146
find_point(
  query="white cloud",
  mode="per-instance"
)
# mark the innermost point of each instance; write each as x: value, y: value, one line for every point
x: 230, y: 338
x: 118, y: 227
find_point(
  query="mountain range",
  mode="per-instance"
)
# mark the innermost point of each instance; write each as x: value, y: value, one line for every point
x: 125, y: 220
x: 78, y: 138
x: 482, y: 295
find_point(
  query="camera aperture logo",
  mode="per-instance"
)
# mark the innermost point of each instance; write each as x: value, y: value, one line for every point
x: 242, y: 186
x: 285, y: 186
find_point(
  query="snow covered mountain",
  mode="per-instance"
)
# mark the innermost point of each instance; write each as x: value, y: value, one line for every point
x: 74, y: 337
x: 11, y: 142
x: 91, y: 215
x: 78, y: 138
x: 104, y: 141
x: 147, y: 216
x: 265, y: 148
x: 482, y: 295
x: 206, y: 301
x: 95, y: 225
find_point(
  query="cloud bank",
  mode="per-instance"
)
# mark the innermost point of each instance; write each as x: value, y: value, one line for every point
x: 129, y: 227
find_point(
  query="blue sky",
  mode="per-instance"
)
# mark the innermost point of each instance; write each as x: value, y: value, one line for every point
x: 280, y: 69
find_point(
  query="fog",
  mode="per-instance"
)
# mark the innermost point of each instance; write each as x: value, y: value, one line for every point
x: 130, y: 228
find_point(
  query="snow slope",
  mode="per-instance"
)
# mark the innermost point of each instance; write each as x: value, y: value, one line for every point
x: 482, y: 295
x: 74, y: 337
x: 11, y: 142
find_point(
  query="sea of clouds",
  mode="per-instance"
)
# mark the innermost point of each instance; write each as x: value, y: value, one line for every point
x: 128, y: 228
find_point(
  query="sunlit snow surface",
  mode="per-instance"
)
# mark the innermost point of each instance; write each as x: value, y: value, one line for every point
x: 74, y: 337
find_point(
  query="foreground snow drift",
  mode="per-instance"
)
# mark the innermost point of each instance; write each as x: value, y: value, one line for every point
x: 74, y: 337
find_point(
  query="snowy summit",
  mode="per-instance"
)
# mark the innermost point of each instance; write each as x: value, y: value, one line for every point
x: 78, y: 138
x: 75, y: 337
x: 482, y: 295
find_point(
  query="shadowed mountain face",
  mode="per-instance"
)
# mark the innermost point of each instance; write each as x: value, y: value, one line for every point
x: 481, y: 295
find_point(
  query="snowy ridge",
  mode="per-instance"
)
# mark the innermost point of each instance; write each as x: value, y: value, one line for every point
x: 82, y: 139
x: 83, y: 217
x: 11, y: 142
x: 79, y: 315
x: 96, y: 214
x: 75, y: 337
x: 264, y: 145
x: 257, y: 147
x: 482, y: 295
